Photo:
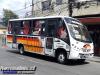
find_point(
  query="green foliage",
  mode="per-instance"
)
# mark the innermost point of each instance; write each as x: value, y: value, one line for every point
x: 8, y: 14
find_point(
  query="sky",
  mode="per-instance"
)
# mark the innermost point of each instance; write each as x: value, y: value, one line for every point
x: 15, y: 6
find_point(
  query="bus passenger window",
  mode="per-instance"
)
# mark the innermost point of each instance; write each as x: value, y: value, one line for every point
x: 38, y: 27
x: 10, y: 28
x: 16, y: 27
x: 43, y: 29
x: 21, y: 31
x: 26, y: 27
x: 51, y: 27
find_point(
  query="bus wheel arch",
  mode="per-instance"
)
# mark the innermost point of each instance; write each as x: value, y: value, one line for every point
x: 21, y: 49
x: 61, y: 55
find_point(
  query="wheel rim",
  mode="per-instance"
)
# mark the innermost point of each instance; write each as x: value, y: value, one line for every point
x: 61, y: 58
x: 21, y: 50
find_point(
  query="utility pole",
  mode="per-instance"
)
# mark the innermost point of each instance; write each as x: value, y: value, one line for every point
x: 25, y: 9
x: 32, y: 8
x: 70, y: 7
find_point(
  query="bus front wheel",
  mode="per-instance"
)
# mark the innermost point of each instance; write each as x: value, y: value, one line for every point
x: 61, y: 57
x: 21, y: 50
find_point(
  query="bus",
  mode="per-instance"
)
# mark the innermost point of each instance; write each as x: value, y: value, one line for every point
x: 60, y: 37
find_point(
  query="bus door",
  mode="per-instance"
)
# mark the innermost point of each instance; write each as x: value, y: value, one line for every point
x: 15, y: 32
x: 49, y: 40
x: 14, y: 39
x: 49, y: 45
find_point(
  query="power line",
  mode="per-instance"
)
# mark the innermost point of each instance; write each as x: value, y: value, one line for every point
x: 30, y: 5
x: 22, y: 8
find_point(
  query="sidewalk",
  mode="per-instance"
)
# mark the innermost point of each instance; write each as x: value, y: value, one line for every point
x: 95, y: 59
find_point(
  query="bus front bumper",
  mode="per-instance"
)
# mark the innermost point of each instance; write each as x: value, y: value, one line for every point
x: 81, y: 56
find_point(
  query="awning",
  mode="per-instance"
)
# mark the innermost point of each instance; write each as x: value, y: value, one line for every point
x: 94, y: 20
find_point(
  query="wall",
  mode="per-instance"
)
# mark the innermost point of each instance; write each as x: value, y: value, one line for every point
x: 90, y: 8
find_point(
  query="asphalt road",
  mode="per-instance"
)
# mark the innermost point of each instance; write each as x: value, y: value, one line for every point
x: 46, y: 65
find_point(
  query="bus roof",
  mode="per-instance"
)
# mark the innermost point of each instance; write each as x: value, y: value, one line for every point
x: 39, y: 18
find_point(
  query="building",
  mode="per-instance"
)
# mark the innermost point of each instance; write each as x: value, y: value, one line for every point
x: 61, y: 7
x: 49, y: 7
x: 3, y: 29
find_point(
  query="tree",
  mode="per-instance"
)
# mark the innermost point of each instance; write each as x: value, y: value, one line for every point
x: 8, y: 14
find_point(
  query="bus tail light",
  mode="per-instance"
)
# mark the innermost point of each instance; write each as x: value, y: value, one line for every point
x: 87, y: 46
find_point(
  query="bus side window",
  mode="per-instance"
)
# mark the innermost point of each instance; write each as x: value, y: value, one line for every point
x: 43, y: 29
x: 21, y: 28
x: 50, y: 32
x: 10, y: 27
x: 62, y: 32
x: 16, y: 27
x: 26, y: 27
x: 38, y: 27
x: 51, y: 27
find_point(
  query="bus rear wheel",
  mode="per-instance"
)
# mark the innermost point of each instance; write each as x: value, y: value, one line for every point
x: 61, y: 57
x: 21, y: 50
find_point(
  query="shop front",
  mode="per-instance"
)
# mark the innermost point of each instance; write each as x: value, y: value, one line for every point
x: 93, y: 26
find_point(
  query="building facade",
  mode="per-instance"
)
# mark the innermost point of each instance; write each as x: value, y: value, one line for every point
x: 89, y: 11
x: 62, y: 7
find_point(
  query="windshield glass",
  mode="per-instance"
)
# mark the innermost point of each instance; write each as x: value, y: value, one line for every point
x: 77, y: 30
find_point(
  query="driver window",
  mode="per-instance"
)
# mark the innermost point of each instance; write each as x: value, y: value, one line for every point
x: 62, y: 30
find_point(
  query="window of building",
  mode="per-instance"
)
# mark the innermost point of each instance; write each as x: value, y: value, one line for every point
x: 58, y: 2
x: 46, y: 5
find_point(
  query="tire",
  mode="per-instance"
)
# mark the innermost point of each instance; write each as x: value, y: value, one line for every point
x: 61, y: 57
x: 21, y: 50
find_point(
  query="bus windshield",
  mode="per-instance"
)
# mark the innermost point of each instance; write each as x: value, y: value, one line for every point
x: 78, y: 31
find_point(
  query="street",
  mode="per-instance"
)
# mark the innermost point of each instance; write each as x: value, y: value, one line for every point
x: 46, y: 65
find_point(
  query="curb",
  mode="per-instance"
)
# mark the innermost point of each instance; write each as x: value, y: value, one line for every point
x: 95, y: 59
